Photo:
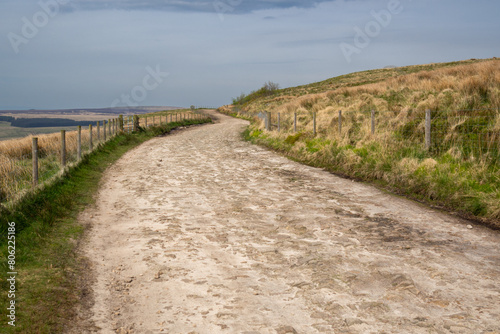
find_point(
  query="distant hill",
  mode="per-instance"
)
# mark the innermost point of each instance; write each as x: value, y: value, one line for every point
x: 46, y: 122
x: 78, y: 111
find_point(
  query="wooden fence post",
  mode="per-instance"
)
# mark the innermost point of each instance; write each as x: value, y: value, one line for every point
x: 428, y: 129
x: 136, y: 123
x: 91, y: 145
x: 63, y: 148
x: 340, y: 122
x: 120, y: 123
x: 373, y: 122
x: 98, y: 132
x: 109, y: 128
x: 294, y: 122
x: 314, y: 123
x: 34, y: 156
x: 104, y: 130
x: 79, y: 143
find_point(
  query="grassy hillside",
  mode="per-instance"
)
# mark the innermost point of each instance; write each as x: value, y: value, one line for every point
x: 393, y: 89
x: 460, y: 171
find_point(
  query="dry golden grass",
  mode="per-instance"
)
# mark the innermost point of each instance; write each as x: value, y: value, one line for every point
x: 15, y: 158
x: 469, y: 86
x: 464, y: 85
x: 461, y: 87
x: 47, y: 144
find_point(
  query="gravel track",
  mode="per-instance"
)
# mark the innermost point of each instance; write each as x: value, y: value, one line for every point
x: 201, y: 232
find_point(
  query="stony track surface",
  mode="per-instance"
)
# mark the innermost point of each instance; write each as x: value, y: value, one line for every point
x: 200, y: 232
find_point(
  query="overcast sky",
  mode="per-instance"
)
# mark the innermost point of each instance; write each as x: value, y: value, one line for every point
x: 93, y: 53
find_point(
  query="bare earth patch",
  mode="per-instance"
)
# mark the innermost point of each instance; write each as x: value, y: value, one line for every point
x: 201, y: 232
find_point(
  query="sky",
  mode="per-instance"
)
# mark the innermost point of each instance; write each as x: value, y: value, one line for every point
x: 57, y: 54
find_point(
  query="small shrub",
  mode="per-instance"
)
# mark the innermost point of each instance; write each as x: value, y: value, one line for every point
x: 291, y: 140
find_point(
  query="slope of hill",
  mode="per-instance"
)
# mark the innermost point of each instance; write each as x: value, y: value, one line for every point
x: 380, y: 136
x: 461, y: 85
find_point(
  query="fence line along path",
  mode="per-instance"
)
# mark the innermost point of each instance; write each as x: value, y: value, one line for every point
x: 127, y: 124
x: 27, y: 162
x: 476, y: 132
x: 215, y: 235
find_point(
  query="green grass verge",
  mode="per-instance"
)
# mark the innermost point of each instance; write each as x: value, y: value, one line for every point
x: 47, y: 234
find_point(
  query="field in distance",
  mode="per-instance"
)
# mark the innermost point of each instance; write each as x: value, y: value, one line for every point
x: 10, y: 132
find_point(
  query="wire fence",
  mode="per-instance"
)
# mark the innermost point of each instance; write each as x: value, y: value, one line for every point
x: 467, y: 133
x: 27, y: 162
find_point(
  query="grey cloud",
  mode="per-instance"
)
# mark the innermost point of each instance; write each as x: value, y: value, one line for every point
x: 227, y: 6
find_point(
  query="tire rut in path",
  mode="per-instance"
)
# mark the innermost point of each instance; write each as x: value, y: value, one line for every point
x: 200, y: 232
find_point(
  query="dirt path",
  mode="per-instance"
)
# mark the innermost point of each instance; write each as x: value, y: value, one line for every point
x: 200, y: 232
